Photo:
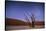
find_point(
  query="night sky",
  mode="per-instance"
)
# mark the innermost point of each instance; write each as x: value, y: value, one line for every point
x: 16, y: 10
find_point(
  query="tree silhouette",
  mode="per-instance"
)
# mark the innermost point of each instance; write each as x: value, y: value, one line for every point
x: 26, y: 19
x: 33, y: 20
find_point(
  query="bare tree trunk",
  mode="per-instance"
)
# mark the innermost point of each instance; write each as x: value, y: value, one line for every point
x: 33, y: 21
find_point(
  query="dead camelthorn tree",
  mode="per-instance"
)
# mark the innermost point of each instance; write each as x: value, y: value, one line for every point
x: 26, y: 19
x: 32, y: 17
x: 33, y: 20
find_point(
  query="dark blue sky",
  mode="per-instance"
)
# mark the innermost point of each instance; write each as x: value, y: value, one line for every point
x: 16, y: 10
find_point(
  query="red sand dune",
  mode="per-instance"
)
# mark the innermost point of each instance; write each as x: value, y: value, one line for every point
x: 15, y: 22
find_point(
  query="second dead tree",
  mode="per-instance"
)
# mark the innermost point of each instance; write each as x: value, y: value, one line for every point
x: 33, y: 20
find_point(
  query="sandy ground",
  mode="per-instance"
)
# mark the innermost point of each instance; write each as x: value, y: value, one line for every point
x: 21, y: 27
x: 17, y: 27
x: 11, y: 28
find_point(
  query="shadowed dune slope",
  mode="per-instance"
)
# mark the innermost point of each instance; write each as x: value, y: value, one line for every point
x: 15, y: 22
